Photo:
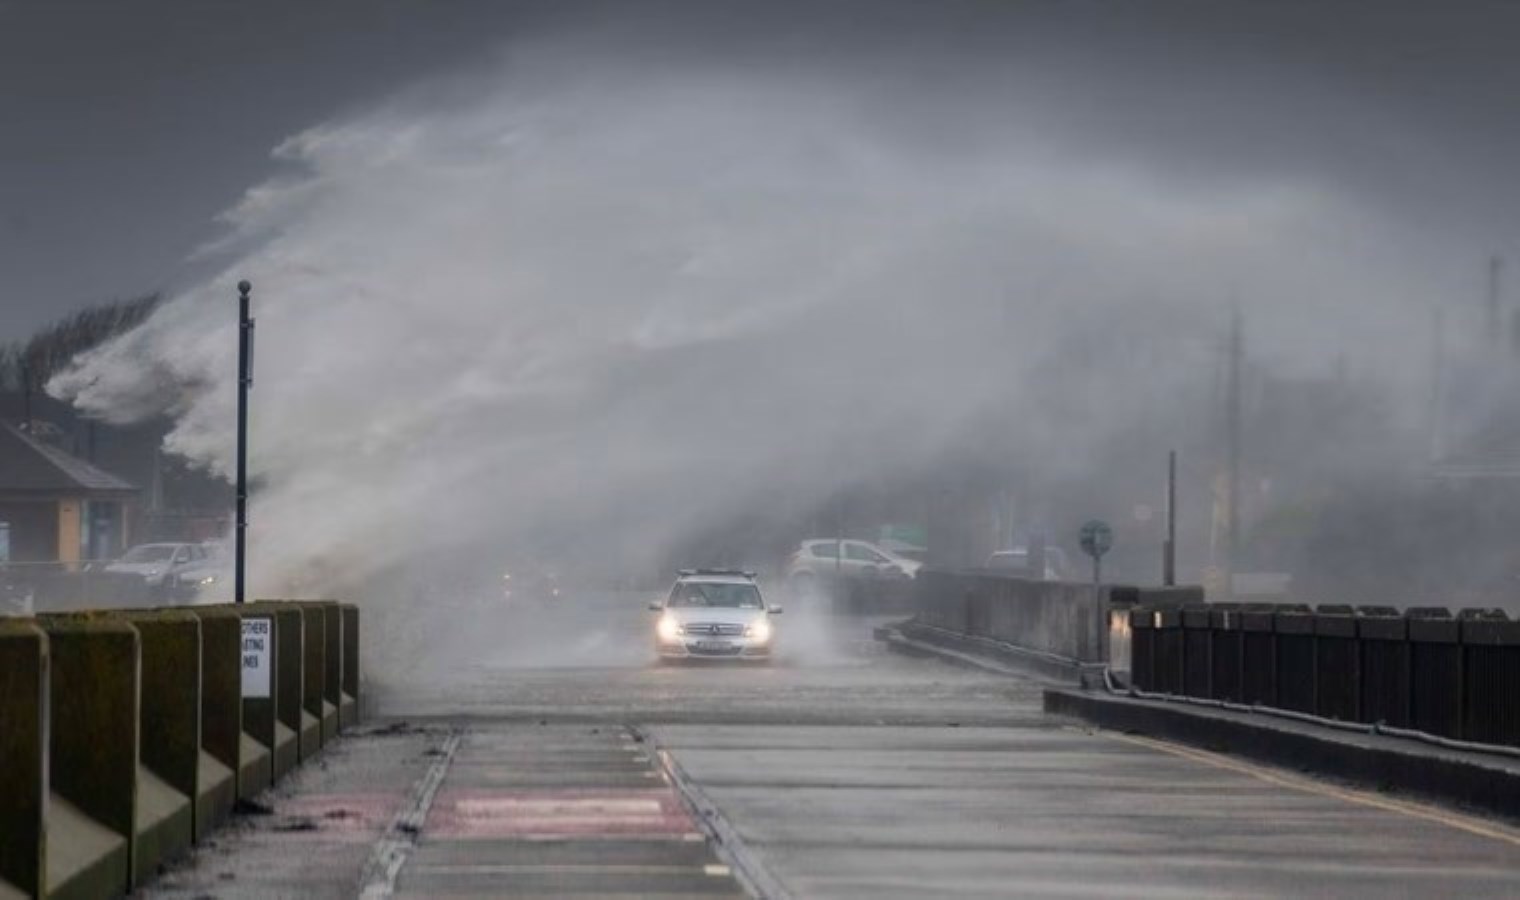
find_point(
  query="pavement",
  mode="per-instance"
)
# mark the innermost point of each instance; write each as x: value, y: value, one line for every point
x: 550, y: 756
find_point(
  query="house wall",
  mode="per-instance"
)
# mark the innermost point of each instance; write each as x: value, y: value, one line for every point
x: 33, y: 529
x: 68, y: 530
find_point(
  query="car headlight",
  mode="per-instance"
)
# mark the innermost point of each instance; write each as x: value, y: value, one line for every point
x: 209, y: 579
x: 760, y: 631
x: 669, y: 629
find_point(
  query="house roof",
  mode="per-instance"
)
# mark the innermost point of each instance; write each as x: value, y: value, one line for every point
x: 28, y: 465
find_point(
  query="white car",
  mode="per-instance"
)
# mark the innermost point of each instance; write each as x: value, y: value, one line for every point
x: 714, y: 614
x: 822, y: 559
x: 165, y: 570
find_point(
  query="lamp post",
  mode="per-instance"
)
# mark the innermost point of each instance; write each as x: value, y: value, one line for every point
x: 245, y: 382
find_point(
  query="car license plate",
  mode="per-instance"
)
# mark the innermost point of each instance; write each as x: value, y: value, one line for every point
x: 714, y: 645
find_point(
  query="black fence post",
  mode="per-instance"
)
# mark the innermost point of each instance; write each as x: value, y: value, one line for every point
x: 1258, y: 657
x: 1295, y: 660
x: 1491, y: 678
x: 1197, y: 652
x: 1168, y: 662
x: 1226, y: 653
x: 1383, y: 636
x: 1337, y: 665
x: 1142, y: 648
x: 1435, y: 672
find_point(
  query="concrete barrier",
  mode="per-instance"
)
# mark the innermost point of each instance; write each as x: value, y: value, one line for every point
x: 313, y: 676
x: 261, y: 728
x: 23, y: 757
x: 169, y: 737
x: 92, y: 756
x: 332, y: 669
x: 348, y: 705
x: 224, y: 744
x: 1062, y: 619
x: 125, y: 735
x: 275, y: 721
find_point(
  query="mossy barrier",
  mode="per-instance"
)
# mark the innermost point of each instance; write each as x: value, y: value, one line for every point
x: 169, y: 737
x: 220, y: 757
x: 23, y: 755
x: 125, y: 736
x: 286, y: 683
x: 313, y: 675
x: 260, y: 725
x: 92, y: 754
x: 332, y: 669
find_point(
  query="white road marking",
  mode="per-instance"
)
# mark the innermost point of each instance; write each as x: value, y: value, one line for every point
x: 393, y: 849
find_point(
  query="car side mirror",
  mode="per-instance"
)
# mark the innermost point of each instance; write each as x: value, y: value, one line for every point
x: 655, y: 606
x: 775, y: 610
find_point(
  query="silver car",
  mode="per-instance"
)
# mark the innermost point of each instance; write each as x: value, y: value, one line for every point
x: 715, y: 614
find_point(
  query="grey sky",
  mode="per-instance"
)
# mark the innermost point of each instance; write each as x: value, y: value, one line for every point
x: 127, y: 127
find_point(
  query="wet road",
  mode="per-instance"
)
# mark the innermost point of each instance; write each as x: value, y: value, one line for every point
x: 563, y: 762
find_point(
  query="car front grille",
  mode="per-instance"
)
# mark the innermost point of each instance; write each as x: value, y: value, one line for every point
x: 714, y: 629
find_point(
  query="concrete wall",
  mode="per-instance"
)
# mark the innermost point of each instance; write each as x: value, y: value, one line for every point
x: 1077, y: 622
x: 1059, y: 618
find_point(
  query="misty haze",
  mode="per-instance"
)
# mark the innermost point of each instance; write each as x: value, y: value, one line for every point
x: 841, y: 449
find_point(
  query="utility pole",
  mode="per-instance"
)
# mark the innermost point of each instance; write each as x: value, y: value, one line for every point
x: 245, y: 382
x: 1233, y: 441
x: 1169, y: 548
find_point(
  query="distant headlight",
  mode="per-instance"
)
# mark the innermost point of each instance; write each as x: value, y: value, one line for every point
x: 760, y: 631
x: 669, y: 629
x: 209, y: 579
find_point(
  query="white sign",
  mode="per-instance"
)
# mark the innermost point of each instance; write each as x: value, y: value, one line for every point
x: 258, y: 654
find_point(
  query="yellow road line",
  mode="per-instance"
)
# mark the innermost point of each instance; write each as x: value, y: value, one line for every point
x: 1360, y: 798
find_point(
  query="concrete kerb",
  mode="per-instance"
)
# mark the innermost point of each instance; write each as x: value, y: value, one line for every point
x: 222, y: 737
x: 23, y: 756
x: 1482, y: 782
x: 92, y: 755
x: 168, y: 774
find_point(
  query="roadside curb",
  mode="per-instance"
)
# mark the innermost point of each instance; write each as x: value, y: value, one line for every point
x: 915, y: 639
x: 1466, y: 779
x: 748, y: 869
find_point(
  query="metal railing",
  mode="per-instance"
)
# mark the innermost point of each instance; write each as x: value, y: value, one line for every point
x: 1421, y: 672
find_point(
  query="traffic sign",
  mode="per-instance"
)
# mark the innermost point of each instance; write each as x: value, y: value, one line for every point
x: 1097, y: 538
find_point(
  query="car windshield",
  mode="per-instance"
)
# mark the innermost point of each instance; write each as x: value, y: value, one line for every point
x: 714, y: 594
x: 148, y: 553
